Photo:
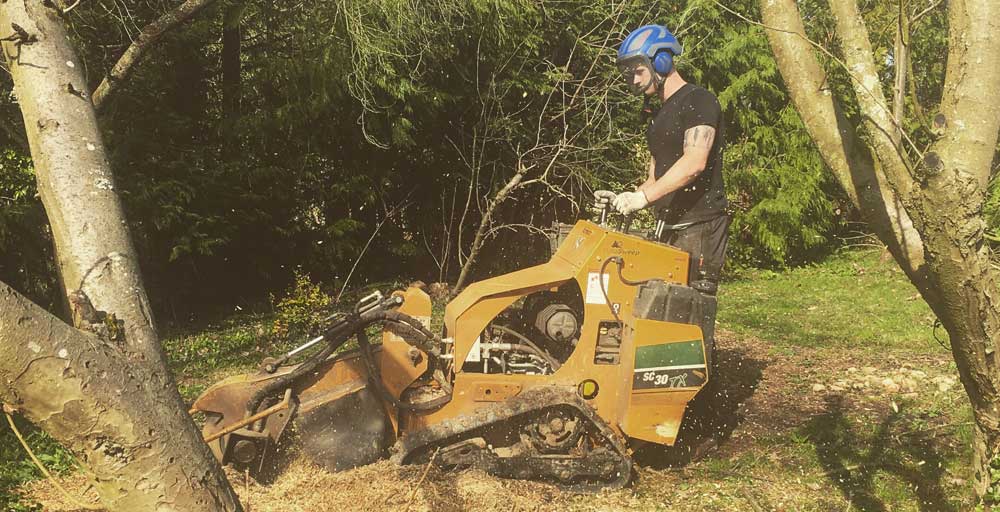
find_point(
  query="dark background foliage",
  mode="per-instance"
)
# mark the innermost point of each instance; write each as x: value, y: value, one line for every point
x: 268, y: 137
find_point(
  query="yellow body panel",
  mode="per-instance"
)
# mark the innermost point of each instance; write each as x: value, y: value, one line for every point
x: 399, y: 368
x: 655, y: 415
x: 580, y: 257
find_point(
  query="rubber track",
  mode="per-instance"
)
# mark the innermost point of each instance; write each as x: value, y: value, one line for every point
x: 409, y: 446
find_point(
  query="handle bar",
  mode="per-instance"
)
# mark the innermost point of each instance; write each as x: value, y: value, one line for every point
x: 624, y: 224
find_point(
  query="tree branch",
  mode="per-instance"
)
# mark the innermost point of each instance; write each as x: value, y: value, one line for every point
x: 146, y: 39
x: 484, y: 224
x: 388, y: 216
x: 973, y: 71
x: 916, y: 17
x: 860, y: 61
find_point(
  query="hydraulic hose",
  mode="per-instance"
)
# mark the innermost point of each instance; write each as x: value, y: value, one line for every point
x: 375, y: 379
x: 431, y: 344
x: 621, y: 277
x: 356, y: 324
x: 604, y: 289
x: 336, y: 338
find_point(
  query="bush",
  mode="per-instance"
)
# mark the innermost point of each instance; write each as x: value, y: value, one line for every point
x: 302, y: 310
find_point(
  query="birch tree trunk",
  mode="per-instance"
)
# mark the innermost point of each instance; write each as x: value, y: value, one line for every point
x: 93, y: 244
x: 84, y: 392
x: 943, y: 194
x: 95, y: 255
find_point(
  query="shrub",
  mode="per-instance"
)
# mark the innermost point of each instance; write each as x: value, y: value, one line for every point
x: 302, y: 310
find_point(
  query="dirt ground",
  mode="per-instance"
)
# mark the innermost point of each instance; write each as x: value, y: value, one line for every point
x: 727, y: 458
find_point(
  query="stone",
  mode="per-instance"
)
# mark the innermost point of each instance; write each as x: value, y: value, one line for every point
x: 890, y: 385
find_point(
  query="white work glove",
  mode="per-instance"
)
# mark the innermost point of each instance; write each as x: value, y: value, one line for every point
x: 628, y: 202
x: 602, y: 198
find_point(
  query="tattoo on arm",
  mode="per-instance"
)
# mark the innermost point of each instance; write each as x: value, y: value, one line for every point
x: 701, y: 136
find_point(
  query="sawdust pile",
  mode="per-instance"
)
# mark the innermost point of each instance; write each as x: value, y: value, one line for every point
x: 382, y: 486
x: 386, y: 486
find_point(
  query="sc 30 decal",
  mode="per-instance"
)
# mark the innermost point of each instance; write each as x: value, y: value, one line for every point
x: 669, y: 378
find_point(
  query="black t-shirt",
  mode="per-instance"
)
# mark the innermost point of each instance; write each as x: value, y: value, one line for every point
x: 705, y: 197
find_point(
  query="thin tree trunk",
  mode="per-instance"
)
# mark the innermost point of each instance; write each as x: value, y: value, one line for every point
x: 900, y: 65
x: 146, y: 39
x: 232, y: 39
x: 94, y: 249
x: 878, y: 121
x: 84, y: 392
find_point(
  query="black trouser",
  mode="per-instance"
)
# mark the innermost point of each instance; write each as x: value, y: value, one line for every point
x: 706, y: 243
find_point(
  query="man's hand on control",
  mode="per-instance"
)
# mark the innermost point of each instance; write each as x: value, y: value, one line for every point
x: 628, y: 202
x: 602, y: 198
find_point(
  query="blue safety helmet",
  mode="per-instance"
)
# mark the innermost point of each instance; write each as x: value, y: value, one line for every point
x: 652, y: 47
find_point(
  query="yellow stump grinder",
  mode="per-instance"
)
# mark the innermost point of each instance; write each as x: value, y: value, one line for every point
x: 545, y: 373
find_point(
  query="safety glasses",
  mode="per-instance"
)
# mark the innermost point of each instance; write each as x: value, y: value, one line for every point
x: 638, y: 73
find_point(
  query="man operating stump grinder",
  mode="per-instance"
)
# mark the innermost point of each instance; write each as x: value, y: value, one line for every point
x: 684, y: 187
x: 685, y: 139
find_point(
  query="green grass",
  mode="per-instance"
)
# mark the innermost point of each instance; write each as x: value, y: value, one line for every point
x: 237, y: 342
x: 15, y: 466
x: 854, y: 307
x: 852, y: 300
x: 893, y: 460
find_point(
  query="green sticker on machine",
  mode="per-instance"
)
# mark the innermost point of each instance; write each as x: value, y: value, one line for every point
x: 670, y: 365
x: 682, y: 353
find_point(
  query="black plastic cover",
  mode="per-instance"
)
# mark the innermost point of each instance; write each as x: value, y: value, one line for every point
x: 668, y: 302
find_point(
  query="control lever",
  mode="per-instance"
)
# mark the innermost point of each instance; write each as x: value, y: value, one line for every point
x: 624, y: 225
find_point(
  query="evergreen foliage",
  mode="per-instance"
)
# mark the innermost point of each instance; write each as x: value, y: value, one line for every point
x: 785, y: 205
